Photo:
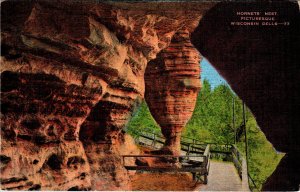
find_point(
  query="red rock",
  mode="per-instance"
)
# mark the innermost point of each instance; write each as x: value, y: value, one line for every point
x: 172, y: 85
x: 71, y: 75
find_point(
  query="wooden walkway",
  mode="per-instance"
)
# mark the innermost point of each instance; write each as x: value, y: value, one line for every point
x: 223, y: 177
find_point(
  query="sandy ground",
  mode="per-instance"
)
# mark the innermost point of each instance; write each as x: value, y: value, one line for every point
x: 163, y: 182
x: 155, y: 181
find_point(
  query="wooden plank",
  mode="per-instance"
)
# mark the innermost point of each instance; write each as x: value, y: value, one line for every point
x: 217, y: 151
x: 200, y: 170
x: 167, y: 156
x: 183, y: 146
x: 206, y: 152
x: 160, y: 140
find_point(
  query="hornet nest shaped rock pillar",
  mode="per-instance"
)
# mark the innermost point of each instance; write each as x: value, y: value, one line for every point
x: 172, y: 85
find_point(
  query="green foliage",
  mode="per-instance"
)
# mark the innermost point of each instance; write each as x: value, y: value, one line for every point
x: 212, y: 121
x: 262, y: 157
x: 141, y: 120
x: 212, y: 117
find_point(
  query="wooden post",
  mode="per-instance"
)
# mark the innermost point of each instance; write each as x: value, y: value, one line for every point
x: 189, y: 149
x: 245, y: 161
x: 245, y: 183
x: 205, y: 179
x: 194, y: 176
x: 233, y: 119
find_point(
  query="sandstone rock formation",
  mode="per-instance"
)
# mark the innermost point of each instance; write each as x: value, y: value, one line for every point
x: 71, y: 75
x: 172, y: 85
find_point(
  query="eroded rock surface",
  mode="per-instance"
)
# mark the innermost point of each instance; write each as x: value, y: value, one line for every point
x: 172, y: 85
x: 71, y: 75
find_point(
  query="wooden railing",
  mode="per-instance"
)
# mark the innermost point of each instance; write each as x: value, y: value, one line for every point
x: 237, y: 160
x: 198, y: 164
x: 224, y: 151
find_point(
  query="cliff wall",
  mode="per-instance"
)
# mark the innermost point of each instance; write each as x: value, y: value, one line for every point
x: 72, y: 74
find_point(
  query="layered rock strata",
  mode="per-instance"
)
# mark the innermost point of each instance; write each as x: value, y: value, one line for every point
x: 71, y: 75
x: 172, y: 85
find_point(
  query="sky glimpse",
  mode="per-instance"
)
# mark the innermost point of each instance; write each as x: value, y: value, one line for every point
x: 209, y: 72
